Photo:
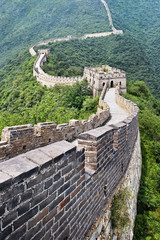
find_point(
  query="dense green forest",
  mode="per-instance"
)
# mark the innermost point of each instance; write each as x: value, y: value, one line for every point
x: 23, y: 100
x: 23, y: 23
x: 148, y: 218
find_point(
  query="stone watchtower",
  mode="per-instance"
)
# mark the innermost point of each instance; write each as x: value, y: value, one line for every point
x: 44, y: 51
x: 98, y: 76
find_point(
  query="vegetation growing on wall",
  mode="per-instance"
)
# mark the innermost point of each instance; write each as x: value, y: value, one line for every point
x: 119, y: 211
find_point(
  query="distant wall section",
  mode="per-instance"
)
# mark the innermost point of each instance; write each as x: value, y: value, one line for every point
x: 97, y: 76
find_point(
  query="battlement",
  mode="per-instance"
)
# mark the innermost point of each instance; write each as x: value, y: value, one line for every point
x: 59, y: 190
x: 20, y: 139
x: 48, y: 80
x: 96, y: 76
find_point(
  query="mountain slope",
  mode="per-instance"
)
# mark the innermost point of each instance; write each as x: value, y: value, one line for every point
x: 25, y: 22
x: 140, y: 19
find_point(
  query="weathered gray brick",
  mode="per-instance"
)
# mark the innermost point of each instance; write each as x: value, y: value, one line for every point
x: 9, y: 218
x: 24, y: 218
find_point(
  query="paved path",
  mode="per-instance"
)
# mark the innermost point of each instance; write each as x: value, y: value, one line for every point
x: 117, y: 113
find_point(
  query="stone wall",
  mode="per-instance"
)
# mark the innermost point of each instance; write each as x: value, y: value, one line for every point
x: 20, y: 139
x: 97, y: 76
x: 58, y: 191
x: 102, y: 227
x: 48, y: 80
x: 70, y: 37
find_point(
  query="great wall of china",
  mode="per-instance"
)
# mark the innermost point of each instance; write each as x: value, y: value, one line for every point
x: 60, y: 190
x: 54, y: 189
x: 91, y: 35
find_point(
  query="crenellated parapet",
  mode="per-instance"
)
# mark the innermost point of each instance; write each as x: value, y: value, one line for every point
x: 20, y: 139
x: 59, y: 190
x: 48, y: 80
x: 97, y: 76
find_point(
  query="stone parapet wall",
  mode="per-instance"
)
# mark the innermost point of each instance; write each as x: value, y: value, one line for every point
x: 58, y: 191
x: 48, y: 80
x: 103, y: 227
x: 20, y: 139
x: 127, y: 105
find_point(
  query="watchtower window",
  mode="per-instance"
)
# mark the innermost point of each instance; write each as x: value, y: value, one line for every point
x: 120, y: 83
x: 122, y: 167
x: 112, y: 84
x: 103, y: 83
x: 24, y: 147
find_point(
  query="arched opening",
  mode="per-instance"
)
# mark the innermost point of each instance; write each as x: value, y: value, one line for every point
x: 120, y: 83
x: 103, y: 84
x: 112, y: 84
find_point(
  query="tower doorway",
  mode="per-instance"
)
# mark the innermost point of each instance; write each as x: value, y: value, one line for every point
x: 111, y: 84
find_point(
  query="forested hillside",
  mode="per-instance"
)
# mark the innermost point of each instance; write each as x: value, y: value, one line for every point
x: 23, y: 23
x: 23, y: 100
x: 121, y: 51
x: 148, y: 217
x: 140, y: 19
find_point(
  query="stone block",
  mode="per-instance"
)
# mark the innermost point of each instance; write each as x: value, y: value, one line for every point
x: 50, y: 216
x: 24, y: 218
x: 55, y: 153
x: 6, y: 232
x: 55, y: 202
x: 65, y: 146
x: 19, y: 168
x: 74, y: 122
x: 57, y: 176
x: 39, y: 157
x: 5, y: 180
x: 63, y: 188
x: 23, y: 208
x: 67, y: 169
x: 8, y: 219
x: 96, y: 134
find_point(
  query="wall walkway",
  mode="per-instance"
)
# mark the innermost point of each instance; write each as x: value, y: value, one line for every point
x: 117, y: 113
